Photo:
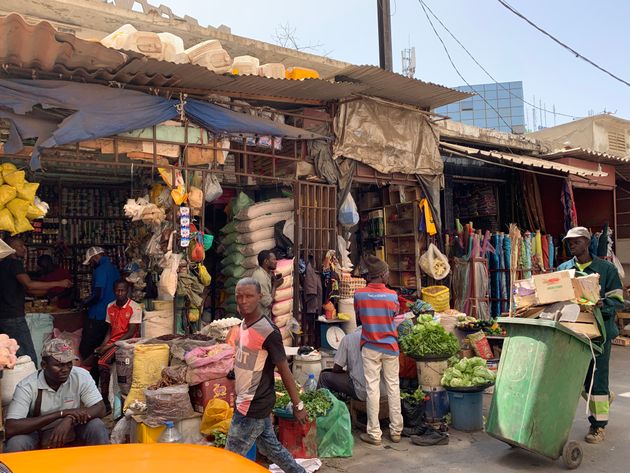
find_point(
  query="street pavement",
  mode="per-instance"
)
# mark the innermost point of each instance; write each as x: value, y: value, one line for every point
x: 479, y: 452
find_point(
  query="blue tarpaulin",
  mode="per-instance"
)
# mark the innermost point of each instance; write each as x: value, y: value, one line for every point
x: 96, y: 111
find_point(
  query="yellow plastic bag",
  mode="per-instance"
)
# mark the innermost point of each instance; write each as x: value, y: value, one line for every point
x: 195, y: 198
x: 154, y: 196
x: 34, y: 212
x: 193, y: 314
x: 14, y: 178
x: 7, y: 194
x: 216, y: 416
x: 204, y: 276
x: 179, y: 195
x: 18, y: 207
x: 8, y: 167
x: 7, y: 223
x: 148, y: 363
x: 28, y: 191
x: 167, y: 176
x: 22, y: 225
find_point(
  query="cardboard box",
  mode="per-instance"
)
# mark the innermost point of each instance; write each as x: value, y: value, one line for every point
x: 590, y: 330
x: 221, y: 388
x: 553, y: 287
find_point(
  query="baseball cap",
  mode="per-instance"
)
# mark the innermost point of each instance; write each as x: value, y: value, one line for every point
x: 60, y: 350
x: 92, y: 252
x: 578, y: 232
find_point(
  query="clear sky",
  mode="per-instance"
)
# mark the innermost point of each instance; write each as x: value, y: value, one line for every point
x: 504, y: 44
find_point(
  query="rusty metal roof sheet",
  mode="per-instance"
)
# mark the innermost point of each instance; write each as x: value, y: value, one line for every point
x: 41, y: 48
x: 399, y: 88
x: 589, y: 155
x: 521, y: 160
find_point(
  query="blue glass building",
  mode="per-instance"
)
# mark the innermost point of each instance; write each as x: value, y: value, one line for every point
x: 496, y: 106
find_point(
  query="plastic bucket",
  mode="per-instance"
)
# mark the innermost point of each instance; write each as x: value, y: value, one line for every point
x: 305, y: 365
x: 436, y: 406
x: 466, y: 410
x: 430, y: 373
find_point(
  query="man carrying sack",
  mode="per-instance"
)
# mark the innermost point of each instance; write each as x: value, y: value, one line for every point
x: 611, y: 300
x: 376, y: 306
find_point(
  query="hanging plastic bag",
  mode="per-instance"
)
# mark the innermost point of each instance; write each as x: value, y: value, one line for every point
x: 7, y: 194
x: 348, y: 213
x: 14, y: 178
x: 195, y: 198
x: 213, y: 188
x: 207, y: 241
x: 167, y: 287
x: 167, y: 176
x: 216, y: 416
x: 334, y: 431
x: 434, y: 263
x: 179, y: 195
x: 7, y: 223
x: 197, y: 252
x: 18, y: 207
x: 204, y: 275
x: 22, y: 225
x: 28, y: 191
x: 5, y: 250
x: 34, y: 212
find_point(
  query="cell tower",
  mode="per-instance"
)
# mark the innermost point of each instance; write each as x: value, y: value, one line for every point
x: 409, y: 62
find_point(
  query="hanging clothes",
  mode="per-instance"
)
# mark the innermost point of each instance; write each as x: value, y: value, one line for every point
x: 568, y: 206
x: 507, y: 265
x: 427, y: 223
x: 545, y: 251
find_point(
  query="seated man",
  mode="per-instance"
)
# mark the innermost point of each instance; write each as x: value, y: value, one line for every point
x: 124, y: 317
x: 352, y: 381
x: 56, y: 405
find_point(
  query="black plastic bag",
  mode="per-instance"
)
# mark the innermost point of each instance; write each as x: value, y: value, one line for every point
x: 412, y: 412
x: 284, y: 246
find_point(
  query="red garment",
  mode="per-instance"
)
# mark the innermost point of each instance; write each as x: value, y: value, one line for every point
x: 59, y: 274
x: 120, y: 317
x: 545, y: 251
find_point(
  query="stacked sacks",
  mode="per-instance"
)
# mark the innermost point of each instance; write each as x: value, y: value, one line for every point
x: 282, y: 308
x: 250, y: 232
x: 18, y: 203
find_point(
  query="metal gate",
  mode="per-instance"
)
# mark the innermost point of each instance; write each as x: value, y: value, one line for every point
x: 316, y: 231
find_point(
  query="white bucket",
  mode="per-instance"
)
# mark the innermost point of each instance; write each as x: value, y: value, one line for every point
x: 430, y: 373
x: 11, y: 377
x: 346, y: 306
x: 303, y: 365
x: 328, y: 359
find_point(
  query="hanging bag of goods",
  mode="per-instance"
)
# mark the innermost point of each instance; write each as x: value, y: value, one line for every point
x: 434, y: 263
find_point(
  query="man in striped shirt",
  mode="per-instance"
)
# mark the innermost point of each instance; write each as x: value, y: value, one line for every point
x: 376, y: 306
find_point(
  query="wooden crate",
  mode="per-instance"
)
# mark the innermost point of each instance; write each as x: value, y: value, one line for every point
x: 622, y: 341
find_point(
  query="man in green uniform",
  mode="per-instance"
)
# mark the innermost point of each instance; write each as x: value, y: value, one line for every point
x: 611, y: 300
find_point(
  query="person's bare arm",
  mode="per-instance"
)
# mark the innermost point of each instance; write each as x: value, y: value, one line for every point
x: 289, y: 383
x: 31, y: 285
x: 29, y: 425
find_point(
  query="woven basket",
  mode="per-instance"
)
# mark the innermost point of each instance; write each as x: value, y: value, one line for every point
x: 347, y: 286
x: 438, y: 296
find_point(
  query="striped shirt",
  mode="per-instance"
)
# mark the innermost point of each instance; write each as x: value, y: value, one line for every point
x: 376, y: 306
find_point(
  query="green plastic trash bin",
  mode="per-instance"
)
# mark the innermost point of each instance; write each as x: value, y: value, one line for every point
x: 539, y: 383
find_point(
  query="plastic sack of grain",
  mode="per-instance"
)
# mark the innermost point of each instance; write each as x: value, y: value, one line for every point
x: 284, y: 294
x: 282, y: 308
x: 270, y: 206
x: 265, y: 221
x: 124, y: 362
x: 206, y: 363
x: 254, y: 248
x: 169, y: 403
x: 148, y: 363
x: 285, y: 267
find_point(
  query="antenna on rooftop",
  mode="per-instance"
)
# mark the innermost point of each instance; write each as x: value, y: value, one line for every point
x: 409, y: 62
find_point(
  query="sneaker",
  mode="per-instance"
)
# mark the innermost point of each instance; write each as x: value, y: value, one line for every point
x: 394, y: 437
x: 595, y: 435
x: 418, y: 430
x: 367, y: 438
x: 429, y: 439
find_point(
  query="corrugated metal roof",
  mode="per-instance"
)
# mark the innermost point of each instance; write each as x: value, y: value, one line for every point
x: 399, y: 88
x: 589, y: 155
x: 521, y: 160
x: 41, y: 48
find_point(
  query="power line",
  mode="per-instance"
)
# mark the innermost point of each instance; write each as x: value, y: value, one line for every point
x: 565, y: 46
x: 488, y: 73
x: 448, y: 54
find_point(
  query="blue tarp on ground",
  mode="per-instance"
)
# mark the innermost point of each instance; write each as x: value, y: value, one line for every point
x: 90, y: 111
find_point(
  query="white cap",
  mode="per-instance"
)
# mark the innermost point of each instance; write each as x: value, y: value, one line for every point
x: 92, y: 252
x: 578, y: 232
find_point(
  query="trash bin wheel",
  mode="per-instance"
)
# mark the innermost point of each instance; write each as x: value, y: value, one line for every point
x: 572, y: 455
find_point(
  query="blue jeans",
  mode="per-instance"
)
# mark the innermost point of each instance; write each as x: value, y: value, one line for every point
x: 245, y: 431
x: 17, y: 328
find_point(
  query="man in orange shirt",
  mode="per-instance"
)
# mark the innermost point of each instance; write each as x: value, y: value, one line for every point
x: 124, y: 317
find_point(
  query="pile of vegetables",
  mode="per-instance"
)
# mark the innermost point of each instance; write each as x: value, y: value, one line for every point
x: 220, y: 439
x: 490, y: 327
x: 428, y: 338
x: 468, y: 373
x: 415, y: 398
x: 317, y: 403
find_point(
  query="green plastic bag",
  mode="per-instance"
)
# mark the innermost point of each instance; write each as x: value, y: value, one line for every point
x: 240, y: 202
x: 334, y: 431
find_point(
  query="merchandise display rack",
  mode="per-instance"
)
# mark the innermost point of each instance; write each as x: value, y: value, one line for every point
x: 403, y: 245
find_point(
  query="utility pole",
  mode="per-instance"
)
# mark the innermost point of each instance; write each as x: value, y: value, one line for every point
x: 384, y: 35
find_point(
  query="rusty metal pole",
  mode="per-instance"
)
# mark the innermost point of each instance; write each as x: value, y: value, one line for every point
x: 384, y: 35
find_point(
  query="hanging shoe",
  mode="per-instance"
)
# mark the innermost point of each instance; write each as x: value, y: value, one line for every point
x: 595, y: 435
